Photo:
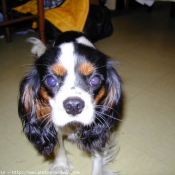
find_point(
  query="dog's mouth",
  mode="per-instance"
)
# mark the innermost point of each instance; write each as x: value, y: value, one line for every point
x: 69, y: 107
x: 74, y: 125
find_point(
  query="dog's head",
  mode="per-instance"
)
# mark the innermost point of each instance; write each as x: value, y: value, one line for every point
x: 71, y: 82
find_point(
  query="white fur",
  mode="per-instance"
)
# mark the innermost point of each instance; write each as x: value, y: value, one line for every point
x: 100, y: 160
x: 61, y: 164
x: 84, y: 41
x: 70, y: 89
x: 38, y: 46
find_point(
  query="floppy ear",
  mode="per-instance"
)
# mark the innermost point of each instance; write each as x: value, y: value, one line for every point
x: 95, y: 136
x: 34, y: 111
x: 114, y: 87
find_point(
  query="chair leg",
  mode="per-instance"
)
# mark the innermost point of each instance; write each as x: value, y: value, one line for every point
x: 41, y: 20
x: 7, y: 29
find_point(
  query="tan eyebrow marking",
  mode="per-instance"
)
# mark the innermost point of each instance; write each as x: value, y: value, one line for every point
x: 59, y: 69
x: 86, y: 68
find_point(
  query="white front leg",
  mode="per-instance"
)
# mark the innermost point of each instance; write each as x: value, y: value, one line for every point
x: 61, y: 164
x: 100, y: 160
x: 97, y: 164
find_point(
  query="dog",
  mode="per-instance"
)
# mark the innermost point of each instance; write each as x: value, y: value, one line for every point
x: 71, y: 90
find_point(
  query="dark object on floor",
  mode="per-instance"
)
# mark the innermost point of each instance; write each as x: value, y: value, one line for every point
x: 120, y: 4
x: 98, y: 25
x: 172, y: 9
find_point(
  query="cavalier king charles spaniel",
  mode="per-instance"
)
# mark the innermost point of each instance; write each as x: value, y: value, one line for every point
x: 71, y: 90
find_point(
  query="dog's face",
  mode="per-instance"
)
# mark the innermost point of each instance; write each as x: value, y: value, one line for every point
x: 72, y: 82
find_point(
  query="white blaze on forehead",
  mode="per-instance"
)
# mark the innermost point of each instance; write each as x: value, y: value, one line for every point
x: 68, y: 60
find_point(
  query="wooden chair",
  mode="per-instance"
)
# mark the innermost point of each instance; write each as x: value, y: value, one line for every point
x: 39, y: 16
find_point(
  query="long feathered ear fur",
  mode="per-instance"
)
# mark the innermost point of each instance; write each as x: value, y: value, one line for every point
x: 34, y: 112
x: 95, y: 136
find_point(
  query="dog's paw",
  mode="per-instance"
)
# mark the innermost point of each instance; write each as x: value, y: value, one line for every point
x: 61, y: 166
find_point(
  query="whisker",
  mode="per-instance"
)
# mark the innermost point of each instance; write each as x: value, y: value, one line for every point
x: 101, y: 117
x: 101, y: 66
x: 35, y: 64
x: 107, y: 107
x: 110, y: 116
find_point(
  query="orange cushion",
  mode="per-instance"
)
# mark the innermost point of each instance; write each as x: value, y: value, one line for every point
x: 71, y: 15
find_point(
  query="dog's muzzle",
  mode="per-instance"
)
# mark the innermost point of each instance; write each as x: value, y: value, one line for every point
x: 73, y: 105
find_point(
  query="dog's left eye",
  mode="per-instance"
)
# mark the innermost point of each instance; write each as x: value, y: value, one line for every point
x: 51, y: 81
x: 95, y: 81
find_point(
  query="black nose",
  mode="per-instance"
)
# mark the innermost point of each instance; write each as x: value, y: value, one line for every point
x: 73, y: 105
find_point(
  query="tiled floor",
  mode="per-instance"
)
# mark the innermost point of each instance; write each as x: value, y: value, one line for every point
x: 144, y: 44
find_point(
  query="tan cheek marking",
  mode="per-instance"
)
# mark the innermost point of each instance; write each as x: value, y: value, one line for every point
x: 44, y: 93
x: 59, y: 69
x: 43, y: 108
x: 100, y: 94
x: 86, y: 68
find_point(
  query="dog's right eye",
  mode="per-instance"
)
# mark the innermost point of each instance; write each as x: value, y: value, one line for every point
x: 95, y: 81
x: 51, y: 81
